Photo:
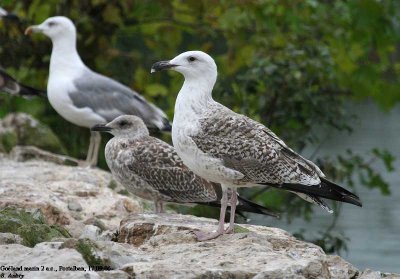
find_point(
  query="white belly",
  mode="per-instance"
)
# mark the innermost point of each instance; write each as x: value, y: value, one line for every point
x: 57, y: 92
x: 200, y: 163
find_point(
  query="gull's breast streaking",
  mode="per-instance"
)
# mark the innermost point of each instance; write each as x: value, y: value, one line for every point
x: 234, y: 150
x: 151, y: 169
x: 84, y: 97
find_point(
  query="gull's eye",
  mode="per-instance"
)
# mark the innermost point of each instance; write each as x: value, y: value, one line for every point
x: 123, y: 123
x: 51, y: 23
x: 191, y: 59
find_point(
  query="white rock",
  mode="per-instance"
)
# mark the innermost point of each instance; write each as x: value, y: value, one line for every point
x: 167, y: 248
x: 370, y: 274
x: 9, y: 238
x: 46, y: 255
x: 91, y: 232
x: 74, y: 206
x: 51, y: 187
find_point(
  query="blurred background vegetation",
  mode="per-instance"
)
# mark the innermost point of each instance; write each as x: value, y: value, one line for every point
x: 293, y: 65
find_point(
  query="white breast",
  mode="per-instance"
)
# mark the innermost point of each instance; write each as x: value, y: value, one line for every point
x: 185, y: 125
x: 57, y: 91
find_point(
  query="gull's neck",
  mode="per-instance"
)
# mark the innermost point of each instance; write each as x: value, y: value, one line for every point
x: 195, y: 96
x: 133, y: 135
x: 64, y: 56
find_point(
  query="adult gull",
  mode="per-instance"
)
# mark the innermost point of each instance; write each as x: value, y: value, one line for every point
x: 9, y: 85
x: 5, y: 14
x: 84, y: 97
x: 151, y: 169
x: 234, y: 150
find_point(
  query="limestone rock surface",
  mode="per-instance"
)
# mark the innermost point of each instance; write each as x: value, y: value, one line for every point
x: 53, y: 188
x: 167, y: 248
x: 108, y: 230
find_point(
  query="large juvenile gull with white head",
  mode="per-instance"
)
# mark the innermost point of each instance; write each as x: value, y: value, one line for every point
x: 84, y: 97
x: 232, y: 149
x: 151, y: 169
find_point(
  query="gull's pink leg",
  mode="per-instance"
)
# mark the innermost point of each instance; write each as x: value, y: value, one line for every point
x: 159, y: 206
x: 89, y: 155
x: 202, y: 236
x: 96, y: 146
x: 233, y: 202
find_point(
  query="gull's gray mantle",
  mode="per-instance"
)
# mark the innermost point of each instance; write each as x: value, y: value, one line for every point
x: 110, y: 99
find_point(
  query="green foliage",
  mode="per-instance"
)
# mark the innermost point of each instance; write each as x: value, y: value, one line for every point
x: 8, y: 140
x: 346, y: 166
x: 30, y: 225
x: 289, y: 64
x: 329, y: 242
x: 240, y: 229
x: 87, y: 249
x: 112, y: 185
x: 123, y: 192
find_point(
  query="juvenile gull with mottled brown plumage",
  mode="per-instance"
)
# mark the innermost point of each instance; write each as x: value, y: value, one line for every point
x: 232, y: 149
x: 151, y: 169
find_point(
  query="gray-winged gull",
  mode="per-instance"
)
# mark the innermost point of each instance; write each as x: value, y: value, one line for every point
x: 151, y: 169
x: 10, y: 85
x: 84, y: 97
x: 5, y: 14
x: 232, y: 149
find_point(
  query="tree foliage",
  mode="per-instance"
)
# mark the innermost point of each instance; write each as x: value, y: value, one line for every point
x: 287, y: 63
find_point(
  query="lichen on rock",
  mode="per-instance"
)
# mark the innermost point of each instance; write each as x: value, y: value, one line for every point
x: 23, y: 129
x: 31, y: 226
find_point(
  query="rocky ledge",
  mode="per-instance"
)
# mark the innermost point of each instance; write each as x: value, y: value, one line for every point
x: 61, y: 221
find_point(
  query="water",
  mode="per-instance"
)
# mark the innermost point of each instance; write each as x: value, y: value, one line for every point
x: 374, y: 230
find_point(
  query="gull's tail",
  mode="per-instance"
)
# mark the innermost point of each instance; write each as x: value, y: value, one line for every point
x: 326, y: 189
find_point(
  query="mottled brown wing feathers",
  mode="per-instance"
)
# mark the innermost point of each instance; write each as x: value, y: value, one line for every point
x: 158, y: 164
x: 252, y: 149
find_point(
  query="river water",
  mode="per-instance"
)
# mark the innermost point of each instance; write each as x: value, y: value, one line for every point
x: 374, y: 229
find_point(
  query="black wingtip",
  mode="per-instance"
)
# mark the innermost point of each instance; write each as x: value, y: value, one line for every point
x: 326, y: 189
x: 12, y: 86
x: 167, y: 126
x: 245, y: 206
x: 27, y: 91
x: 249, y: 206
x: 346, y: 196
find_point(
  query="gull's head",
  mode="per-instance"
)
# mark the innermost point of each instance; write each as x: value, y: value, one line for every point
x: 124, y: 126
x: 54, y: 28
x: 191, y: 64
